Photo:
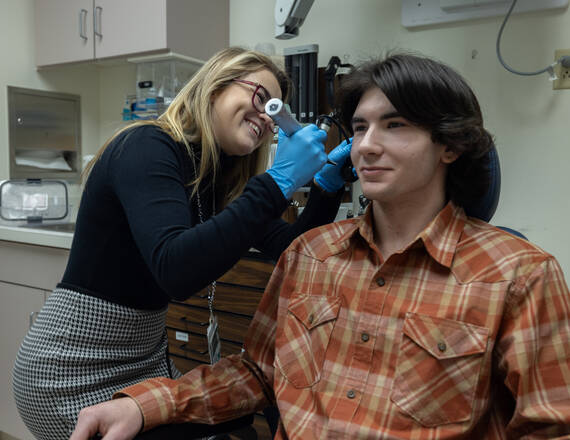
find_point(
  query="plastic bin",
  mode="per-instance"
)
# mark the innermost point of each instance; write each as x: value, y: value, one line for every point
x: 33, y: 201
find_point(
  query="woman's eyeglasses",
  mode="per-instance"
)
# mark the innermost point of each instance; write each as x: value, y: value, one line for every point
x: 260, y: 95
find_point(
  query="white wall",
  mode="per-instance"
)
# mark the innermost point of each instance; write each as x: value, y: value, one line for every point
x: 527, y: 117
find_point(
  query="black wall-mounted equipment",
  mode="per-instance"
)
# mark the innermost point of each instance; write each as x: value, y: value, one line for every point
x: 301, y: 66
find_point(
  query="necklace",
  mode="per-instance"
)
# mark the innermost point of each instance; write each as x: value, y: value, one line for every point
x: 213, y: 336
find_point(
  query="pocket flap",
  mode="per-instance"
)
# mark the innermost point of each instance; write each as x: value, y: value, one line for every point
x: 312, y: 311
x: 445, y: 338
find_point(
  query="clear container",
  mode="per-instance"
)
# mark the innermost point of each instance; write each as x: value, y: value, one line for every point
x: 166, y: 79
x: 33, y: 201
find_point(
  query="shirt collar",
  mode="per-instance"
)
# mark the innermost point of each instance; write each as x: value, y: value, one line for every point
x: 439, y: 238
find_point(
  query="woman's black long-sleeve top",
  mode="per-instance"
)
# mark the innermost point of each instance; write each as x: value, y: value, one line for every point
x: 138, y: 238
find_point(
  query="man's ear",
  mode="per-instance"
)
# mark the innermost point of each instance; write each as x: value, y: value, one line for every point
x: 449, y: 156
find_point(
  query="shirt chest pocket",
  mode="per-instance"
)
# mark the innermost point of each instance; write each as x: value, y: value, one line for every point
x: 438, y: 368
x: 302, y: 341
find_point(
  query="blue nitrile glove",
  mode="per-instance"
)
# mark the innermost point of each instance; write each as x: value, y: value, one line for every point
x: 329, y: 177
x: 298, y: 158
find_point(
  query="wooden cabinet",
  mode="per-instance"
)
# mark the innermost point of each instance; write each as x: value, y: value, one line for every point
x: 81, y: 30
x: 27, y: 275
x: 238, y: 293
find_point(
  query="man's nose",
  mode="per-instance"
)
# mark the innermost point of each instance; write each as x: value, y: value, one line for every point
x: 370, y: 142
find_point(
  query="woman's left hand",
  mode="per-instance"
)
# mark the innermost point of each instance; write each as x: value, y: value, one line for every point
x: 119, y: 419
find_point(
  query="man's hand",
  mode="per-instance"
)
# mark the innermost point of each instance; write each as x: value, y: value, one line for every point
x: 119, y: 419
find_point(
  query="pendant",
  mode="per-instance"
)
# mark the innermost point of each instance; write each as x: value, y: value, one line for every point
x: 214, y: 344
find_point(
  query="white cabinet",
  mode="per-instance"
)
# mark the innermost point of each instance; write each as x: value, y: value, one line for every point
x: 19, y: 305
x: 80, y: 30
x: 28, y: 273
x: 64, y: 31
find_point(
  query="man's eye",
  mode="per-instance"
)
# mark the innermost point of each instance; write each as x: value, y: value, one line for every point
x: 359, y: 128
x: 395, y: 124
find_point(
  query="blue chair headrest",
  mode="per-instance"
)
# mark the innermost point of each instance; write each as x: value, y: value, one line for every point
x: 485, y: 207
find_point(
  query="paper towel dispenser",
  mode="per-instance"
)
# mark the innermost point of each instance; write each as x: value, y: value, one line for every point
x: 45, y: 134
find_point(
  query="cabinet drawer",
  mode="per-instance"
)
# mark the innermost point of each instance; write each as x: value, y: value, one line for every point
x: 195, y: 320
x: 229, y: 298
x: 196, y: 347
x: 249, y: 272
x: 184, y: 365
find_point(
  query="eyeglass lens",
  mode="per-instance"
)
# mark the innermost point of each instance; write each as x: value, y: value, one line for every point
x: 259, y: 99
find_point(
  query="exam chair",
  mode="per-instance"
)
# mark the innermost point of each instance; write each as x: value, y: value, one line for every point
x: 483, y: 209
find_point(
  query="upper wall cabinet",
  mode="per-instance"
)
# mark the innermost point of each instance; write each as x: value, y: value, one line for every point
x: 80, y: 30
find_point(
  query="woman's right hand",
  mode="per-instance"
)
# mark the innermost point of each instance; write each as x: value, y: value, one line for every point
x: 119, y: 419
x: 298, y: 158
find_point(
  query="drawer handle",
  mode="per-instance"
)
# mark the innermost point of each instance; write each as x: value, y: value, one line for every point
x: 201, y: 324
x: 192, y: 350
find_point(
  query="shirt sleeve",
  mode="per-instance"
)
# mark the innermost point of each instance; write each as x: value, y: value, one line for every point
x: 534, y: 354
x: 183, y: 254
x: 235, y: 386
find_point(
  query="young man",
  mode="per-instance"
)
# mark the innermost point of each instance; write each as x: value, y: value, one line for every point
x: 413, y: 321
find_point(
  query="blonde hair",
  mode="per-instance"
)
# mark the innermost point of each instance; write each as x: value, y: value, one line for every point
x: 188, y: 119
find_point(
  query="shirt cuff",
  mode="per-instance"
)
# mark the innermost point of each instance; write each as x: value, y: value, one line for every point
x: 154, y: 400
x: 328, y: 193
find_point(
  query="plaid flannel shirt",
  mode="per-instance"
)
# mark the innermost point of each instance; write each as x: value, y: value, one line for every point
x: 463, y: 334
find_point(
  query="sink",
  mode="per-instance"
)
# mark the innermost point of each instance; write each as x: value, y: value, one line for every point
x: 57, y: 227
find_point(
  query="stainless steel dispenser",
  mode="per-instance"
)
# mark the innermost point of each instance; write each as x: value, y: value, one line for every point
x: 45, y: 134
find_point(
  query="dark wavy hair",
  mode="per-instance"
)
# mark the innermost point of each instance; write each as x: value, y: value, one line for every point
x: 435, y: 97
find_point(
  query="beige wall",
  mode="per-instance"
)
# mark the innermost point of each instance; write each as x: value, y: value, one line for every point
x: 527, y: 117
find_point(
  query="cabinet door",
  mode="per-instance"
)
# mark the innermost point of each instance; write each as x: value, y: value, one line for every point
x: 18, y: 305
x: 129, y: 26
x: 64, y: 31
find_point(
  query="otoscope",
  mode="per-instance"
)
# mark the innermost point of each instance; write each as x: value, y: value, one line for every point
x: 277, y: 111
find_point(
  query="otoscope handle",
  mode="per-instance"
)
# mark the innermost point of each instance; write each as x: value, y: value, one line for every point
x: 277, y: 111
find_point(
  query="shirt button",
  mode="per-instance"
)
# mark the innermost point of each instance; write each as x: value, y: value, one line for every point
x: 311, y: 318
x: 441, y: 346
x: 380, y: 281
x: 351, y: 394
x: 364, y: 337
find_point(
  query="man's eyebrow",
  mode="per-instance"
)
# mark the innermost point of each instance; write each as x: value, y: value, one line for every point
x: 357, y: 120
x: 390, y: 115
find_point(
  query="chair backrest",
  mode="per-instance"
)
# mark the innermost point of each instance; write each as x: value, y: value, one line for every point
x: 485, y: 207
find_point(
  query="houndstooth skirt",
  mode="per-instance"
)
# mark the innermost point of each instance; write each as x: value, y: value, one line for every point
x: 81, y: 350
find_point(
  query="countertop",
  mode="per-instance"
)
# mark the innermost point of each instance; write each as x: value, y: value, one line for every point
x: 57, y: 239
x: 36, y: 236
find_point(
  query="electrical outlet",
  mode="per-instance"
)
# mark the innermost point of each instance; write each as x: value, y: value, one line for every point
x: 563, y: 73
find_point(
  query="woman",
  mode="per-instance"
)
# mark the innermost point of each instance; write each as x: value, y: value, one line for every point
x: 168, y: 207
